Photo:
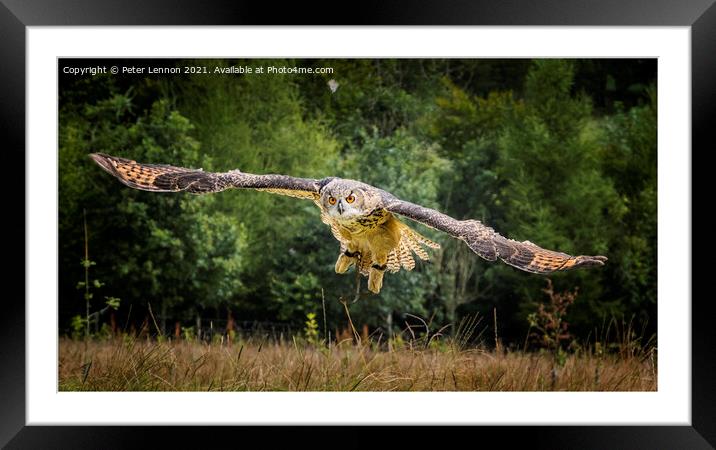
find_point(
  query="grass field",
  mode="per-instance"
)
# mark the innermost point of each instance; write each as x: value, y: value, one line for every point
x: 133, y: 364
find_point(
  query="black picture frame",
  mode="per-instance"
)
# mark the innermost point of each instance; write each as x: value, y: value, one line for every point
x: 16, y: 15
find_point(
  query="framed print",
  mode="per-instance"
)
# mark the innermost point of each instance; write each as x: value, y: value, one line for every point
x: 478, y: 163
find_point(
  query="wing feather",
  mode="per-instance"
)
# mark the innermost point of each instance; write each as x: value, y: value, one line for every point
x: 166, y: 178
x: 489, y: 244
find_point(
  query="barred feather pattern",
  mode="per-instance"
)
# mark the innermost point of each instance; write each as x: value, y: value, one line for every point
x: 400, y: 257
x: 412, y: 242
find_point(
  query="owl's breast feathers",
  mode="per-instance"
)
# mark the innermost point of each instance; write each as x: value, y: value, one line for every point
x: 366, y: 223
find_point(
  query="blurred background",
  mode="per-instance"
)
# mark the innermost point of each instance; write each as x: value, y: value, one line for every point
x: 559, y: 152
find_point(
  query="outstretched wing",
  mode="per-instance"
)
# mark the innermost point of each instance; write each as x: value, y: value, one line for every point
x: 489, y: 244
x: 166, y: 178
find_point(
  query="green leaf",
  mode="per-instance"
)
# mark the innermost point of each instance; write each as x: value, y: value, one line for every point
x: 112, y: 302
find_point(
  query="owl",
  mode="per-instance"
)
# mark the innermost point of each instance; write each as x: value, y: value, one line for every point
x: 362, y: 218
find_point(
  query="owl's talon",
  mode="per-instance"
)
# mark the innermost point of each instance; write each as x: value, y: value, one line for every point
x: 345, y: 261
x: 375, y: 278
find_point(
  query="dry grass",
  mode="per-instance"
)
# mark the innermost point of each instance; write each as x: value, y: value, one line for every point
x: 128, y: 364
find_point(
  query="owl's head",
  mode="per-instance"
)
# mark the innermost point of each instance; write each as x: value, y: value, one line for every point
x: 344, y: 200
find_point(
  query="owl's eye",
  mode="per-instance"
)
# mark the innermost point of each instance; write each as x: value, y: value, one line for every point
x: 332, y: 200
x: 351, y: 198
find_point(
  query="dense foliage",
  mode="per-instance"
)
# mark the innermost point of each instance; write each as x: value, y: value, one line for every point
x: 558, y: 152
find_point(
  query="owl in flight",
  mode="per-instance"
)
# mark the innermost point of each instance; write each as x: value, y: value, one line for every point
x: 362, y: 218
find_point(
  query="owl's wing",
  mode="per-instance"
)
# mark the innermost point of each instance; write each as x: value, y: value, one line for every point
x: 166, y: 178
x: 489, y: 244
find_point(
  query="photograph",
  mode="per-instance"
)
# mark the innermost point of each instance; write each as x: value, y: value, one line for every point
x: 357, y: 224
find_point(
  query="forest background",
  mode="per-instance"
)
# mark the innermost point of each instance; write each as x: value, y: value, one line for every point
x: 559, y: 152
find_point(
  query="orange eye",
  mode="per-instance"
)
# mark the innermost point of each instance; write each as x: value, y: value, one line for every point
x: 332, y: 200
x: 351, y: 198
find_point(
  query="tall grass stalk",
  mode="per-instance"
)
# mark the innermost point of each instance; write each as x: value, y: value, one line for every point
x: 86, y: 264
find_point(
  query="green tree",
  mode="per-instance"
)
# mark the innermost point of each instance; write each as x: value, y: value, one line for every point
x: 554, y: 193
x: 168, y: 251
x: 629, y: 158
x: 255, y: 123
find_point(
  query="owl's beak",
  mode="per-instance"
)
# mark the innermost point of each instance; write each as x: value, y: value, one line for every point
x: 340, y: 207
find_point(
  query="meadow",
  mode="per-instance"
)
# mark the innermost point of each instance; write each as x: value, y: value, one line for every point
x: 415, y: 363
